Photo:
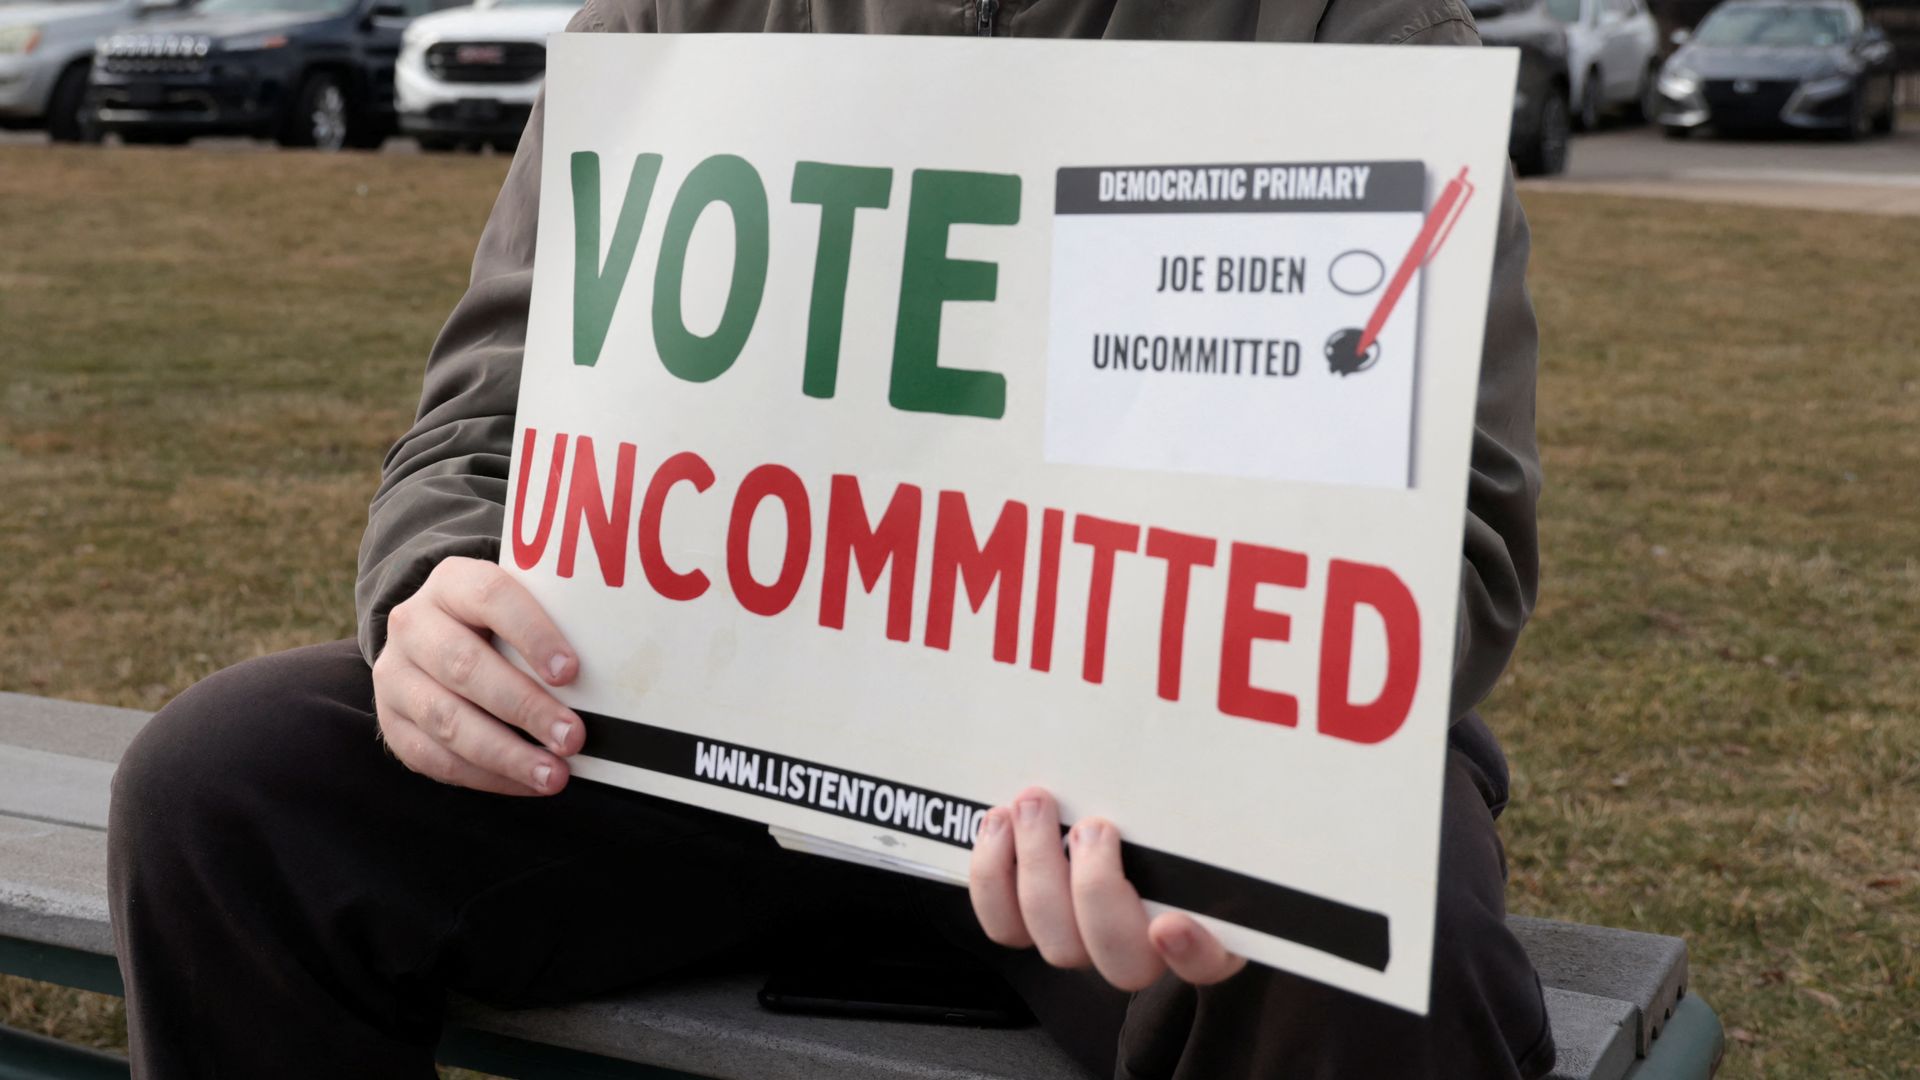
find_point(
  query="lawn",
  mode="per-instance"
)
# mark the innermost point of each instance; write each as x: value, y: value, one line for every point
x: 1714, y: 720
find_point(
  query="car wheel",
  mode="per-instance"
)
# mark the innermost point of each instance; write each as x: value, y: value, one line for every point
x: 70, y: 115
x: 320, y: 115
x: 1589, y: 118
x: 1546, y: 155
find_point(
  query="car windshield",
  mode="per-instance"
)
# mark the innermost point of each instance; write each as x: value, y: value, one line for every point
x: 1774, y: 25
x: 1567, y: 11
x: 271, y: 7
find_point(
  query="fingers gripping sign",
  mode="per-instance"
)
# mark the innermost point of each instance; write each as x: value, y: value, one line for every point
x: 449, y: 704
x: 1074, y: 902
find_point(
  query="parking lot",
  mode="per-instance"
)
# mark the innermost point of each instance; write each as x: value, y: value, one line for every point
x: 1878, y: 175
x: 1641, y: 152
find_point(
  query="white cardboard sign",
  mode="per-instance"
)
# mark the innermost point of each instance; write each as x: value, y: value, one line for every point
x: 906, y: 421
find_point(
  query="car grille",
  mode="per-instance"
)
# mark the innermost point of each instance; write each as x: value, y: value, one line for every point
x: 143, y: 54
x: 487, y: 61
x: 126, y: 65
x: 1747, y: 101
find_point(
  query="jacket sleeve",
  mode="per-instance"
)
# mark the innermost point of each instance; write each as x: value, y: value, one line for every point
x: 443, y: 486
x: 1500, y: 565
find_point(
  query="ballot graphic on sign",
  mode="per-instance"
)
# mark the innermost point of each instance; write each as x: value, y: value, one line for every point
x: 1207, y: 318
x: 879, y: 468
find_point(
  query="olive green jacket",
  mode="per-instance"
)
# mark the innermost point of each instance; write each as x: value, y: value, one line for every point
x: 444, y: 484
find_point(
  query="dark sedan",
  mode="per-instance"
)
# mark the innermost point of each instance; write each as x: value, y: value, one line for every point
x: 1757, y: 64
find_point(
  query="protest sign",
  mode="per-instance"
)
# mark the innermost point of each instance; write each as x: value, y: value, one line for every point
x: 907, y: 421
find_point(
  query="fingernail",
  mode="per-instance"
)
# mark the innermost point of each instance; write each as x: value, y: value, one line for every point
x: 1028, y: 810
x: 557, y: 667
x: 559, y: 733
x: 540, y: 774
x: 992, y: 824
x: 1088, y: 833
x: 1178, y: 942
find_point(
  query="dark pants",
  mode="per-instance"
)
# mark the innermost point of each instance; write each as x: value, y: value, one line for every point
x: 289, y: 900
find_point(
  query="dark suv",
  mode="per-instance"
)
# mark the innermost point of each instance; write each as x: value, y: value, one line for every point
x: 301, y: 72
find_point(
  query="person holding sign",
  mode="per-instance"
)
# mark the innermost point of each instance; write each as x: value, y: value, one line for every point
x: 295, y: 894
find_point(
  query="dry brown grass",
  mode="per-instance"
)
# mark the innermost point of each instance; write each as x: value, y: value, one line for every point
x: 1714, y: 721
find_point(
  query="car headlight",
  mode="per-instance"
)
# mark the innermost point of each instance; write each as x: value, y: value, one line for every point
x: 1827, y: 87
x: 16, y: 40
x: 1679, y: 82
x: 255, y: 43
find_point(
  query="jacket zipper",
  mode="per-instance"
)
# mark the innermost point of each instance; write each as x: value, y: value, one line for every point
x: 984, y: 27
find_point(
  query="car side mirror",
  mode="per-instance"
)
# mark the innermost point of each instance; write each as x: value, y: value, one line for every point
x: 1681, y: 36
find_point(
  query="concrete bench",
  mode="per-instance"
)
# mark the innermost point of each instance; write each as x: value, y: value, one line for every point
x: 1619, y: 999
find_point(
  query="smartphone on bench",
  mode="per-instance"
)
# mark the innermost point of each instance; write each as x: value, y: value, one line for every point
x: 926, y: 988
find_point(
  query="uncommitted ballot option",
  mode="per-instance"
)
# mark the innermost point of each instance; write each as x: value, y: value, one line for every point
x: 1215, y: 318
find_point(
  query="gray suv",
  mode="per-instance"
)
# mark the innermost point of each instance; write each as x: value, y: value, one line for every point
x: 46, y: 50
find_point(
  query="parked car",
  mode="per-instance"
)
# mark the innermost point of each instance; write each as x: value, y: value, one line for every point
x: 468, y: 76
x: 1756, y: 64
x: 1541, y: 124
x: 46, y: 49
x: 1613, y: 56
x: 302, y: 72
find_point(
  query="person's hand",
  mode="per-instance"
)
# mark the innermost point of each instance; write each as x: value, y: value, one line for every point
x: 445, y: 697
x: 1027, y: 892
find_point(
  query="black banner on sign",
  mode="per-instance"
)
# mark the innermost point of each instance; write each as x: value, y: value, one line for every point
x: 1329, y: 926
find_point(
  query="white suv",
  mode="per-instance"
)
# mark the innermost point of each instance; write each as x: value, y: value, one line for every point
x: 468, y: 76
x: 1613, y: 56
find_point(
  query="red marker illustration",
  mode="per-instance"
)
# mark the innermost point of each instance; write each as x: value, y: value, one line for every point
x: 1354, y: 351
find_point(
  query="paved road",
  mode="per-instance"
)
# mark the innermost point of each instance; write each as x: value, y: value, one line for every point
x: 221, y: 145
x: 1642, y: 153
x: 1621, y: 153
x: 1879, y: 175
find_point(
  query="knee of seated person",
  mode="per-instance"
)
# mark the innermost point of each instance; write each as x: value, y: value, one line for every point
x: 232, y: 736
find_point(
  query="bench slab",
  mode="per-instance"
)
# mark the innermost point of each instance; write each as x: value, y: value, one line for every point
x: 1609, y: 992
x: 1592, y: 1036
x: 53, y: 885
x: 712, y: 1026
x: 1648, y: 971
